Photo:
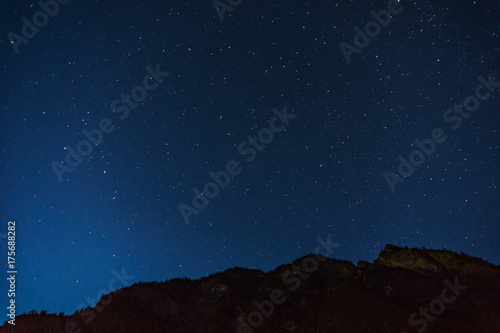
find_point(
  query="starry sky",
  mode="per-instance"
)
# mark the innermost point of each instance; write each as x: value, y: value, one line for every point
x: 299, y: 126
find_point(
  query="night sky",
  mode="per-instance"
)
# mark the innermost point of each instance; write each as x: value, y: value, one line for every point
x: 303, y: 127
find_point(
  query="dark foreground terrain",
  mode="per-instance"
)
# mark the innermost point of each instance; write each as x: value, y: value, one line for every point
x: 404, y: 290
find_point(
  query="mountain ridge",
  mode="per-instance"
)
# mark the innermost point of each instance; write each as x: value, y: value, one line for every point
x: 314, y: 293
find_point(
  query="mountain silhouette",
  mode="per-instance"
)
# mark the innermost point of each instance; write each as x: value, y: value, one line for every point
x: 402, y: 291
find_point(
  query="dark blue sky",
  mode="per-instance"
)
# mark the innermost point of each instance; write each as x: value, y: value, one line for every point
x: 322, y: 175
